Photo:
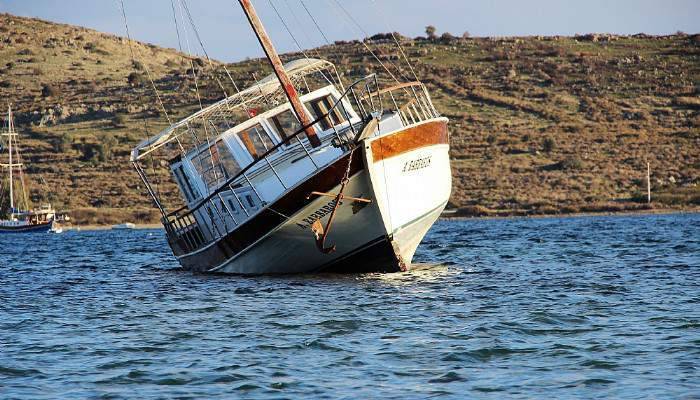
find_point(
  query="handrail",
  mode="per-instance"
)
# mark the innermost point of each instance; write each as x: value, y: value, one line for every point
x: 392, y: 88
x: 178, y: 224
x: 224, y: 186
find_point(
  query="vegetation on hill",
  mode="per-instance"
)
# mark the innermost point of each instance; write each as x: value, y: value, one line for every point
x: 539, y: 125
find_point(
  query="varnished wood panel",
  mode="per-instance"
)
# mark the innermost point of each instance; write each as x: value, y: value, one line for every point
x: 424, y: 135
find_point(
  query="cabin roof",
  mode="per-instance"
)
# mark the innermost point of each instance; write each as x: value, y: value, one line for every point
x: 296, y: 70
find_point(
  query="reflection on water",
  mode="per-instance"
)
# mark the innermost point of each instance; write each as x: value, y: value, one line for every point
x: 603, y: 307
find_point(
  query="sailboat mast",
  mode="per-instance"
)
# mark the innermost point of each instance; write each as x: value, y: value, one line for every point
x: 10, y: 130
x: 277, y: 66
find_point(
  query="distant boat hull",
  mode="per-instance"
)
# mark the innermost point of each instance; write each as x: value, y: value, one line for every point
x: 37, y: 228
x: 407, y: 176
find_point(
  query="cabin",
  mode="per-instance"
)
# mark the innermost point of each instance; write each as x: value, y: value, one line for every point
x: 235, y: 157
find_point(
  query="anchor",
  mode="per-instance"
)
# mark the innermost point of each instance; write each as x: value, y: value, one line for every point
x: 321, y: 232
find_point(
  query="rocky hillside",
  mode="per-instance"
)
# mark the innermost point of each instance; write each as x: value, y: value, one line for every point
x: 540, y: 125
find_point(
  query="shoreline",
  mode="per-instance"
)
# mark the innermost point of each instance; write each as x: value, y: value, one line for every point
x: 665, y: 211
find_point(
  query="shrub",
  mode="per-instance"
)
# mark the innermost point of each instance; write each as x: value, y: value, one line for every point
x: 48, y: 90
x: 491, y: 139
x: 137, y: 65
x: 447, y: 37
x: 89, y: 152
x: 119, y: 120
x: 105, y: 150
x: 63, y: 144
x: 572, y: 164
x: 548, y: 145
x: 430, y: 31
x: 136, y: 79
x: 91, y: 46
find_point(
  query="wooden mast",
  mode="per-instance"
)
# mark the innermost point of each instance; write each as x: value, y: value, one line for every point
x: 276, y: 63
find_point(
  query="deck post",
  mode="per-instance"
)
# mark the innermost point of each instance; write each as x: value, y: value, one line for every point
x: 277, y: 66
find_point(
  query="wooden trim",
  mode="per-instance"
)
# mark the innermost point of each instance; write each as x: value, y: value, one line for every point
x: 427, y: 134
x: 248, y: 142
x: 392, y: 88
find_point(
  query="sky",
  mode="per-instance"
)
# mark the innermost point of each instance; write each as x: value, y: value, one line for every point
x: 226, y: 34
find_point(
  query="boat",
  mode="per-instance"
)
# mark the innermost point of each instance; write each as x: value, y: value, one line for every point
x: 302, y: 172
x: 124, y: 226
x: 18, y: 219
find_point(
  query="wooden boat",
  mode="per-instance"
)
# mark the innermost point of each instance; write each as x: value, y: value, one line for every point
x: 274, y: 181
x: 21, y: 220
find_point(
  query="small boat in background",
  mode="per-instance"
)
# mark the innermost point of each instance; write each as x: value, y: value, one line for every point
x: 20, y: 218
x: 124, y: 226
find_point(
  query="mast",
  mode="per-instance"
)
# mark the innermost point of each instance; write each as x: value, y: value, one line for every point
x: 277, y: 66
x: 10, y: 130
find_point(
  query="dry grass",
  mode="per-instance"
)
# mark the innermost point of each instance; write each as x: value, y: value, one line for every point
x: 608, y: 105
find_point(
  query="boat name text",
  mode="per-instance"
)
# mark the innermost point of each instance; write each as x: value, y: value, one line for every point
x: 417, y: 164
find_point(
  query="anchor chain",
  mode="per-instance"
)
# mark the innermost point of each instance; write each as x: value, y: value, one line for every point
x: 321, y: 232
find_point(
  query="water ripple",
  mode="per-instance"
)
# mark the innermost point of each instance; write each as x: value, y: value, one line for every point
x: 603, y: 307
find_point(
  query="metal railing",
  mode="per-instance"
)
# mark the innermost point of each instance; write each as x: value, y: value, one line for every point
x: 410, y: 101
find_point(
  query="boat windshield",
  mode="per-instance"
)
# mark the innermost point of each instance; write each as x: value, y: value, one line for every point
x: 256, y: 140
x: 285, y: 124
x: 216, y: 164
x: 320, y: 106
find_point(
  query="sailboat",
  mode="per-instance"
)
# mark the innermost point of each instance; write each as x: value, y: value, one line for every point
x: 300, y: 173
x: 21, y: 220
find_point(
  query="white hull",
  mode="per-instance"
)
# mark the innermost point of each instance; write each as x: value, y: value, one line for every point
x: 408, y: 192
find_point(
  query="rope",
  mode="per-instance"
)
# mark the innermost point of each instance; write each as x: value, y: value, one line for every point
x: 199, y: 39
x: 148, y: 70
x: 315, y: 22
x: 350, y: 17
x: 160, y: 101
x: 295, y: 39
x: 398, y: 44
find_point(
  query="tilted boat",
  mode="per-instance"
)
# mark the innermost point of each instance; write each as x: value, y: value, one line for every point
x: 299, y: 173
x: 21, y: 220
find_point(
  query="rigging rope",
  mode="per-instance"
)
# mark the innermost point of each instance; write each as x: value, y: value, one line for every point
x: 398, y: 44
x: 160, y: 101
x: 296, y: 41
x: 199, y: 99
x: 148, y: 70
x: 315, y: 22
x: 364, y: 43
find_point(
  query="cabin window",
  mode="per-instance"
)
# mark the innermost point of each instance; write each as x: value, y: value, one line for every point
x: 229, y: 165
x: 190, y: 192
x: 285, y: 124
x: 216, y: 164
x: 249, y: 198
x: 256, y: 140
x: 320, y: 107
x: 232, y: 206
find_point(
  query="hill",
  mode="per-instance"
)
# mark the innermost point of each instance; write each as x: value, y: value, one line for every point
x: 539, y: 125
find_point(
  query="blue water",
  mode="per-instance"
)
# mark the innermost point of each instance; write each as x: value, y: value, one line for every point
x: 603, y: 307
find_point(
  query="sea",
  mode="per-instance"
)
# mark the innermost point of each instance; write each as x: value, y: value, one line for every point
x: 604, y: 307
